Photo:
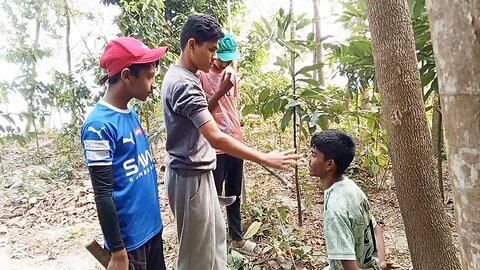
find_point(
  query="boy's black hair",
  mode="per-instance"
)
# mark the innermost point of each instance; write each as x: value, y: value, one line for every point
x: 337, y: 145
x: 201, y: 27
x: 134, y: 69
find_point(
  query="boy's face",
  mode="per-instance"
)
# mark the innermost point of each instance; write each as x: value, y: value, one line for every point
x: 203, y: 56
x: 222, y: 65
x: 318, y: 165
x: 142, y: 86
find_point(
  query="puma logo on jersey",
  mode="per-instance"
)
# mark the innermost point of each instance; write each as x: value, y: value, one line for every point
x: 127, y: 140
x: 92, y: 129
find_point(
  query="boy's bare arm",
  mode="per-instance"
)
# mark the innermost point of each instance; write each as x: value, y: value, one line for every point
x: 352, y: 265
x: 380, y: 245
x: 381, y: 250
x: 226, y: 143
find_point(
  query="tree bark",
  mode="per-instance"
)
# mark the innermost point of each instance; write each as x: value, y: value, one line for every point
x: 428, y: 234
x: 319, y: 75
x: 455, y: 29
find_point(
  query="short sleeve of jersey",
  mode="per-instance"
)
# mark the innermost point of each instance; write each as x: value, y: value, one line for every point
x: 338, y: 236
x: 98, y: 142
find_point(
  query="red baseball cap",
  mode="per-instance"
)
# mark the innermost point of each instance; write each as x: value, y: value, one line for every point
x: 122, y: 52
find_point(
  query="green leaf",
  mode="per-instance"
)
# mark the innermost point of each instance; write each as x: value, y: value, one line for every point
x: 314, y: 119
x: 307, y: 69
x: 348, y: 59
x: 419, y: 8
x: 375, y: 168
x: 433, y: 87
x: 311, y: 93
x: 292, y: 47
x: 259, y: 29
x: 323, y: 122
x: 9, y: 119
x: 311, y: 82
x: 311, y: 37
x: 286, y: 119
x: 343, y: 19
x: 264, y: 95
x: 428, y: 78
x: 266, y: 24
x: 252, y: 229
x: 358, y: 49
x: 4, y: 96
x: 267, y: 109
x: 237, y: 255
x: 293, y: 103
x: 281, y: 62
x: 301, y: 24
x: 21, y: 140
x: 248, y: 109
x: 351, y: 8
x: 411, y: 6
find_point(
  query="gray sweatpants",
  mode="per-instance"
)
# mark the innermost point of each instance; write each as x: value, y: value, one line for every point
x: 200, y: 225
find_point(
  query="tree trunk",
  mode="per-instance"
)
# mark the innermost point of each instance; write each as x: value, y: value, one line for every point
x: 318, y: 41
x: 428, y: 234
x: 67, y: 36
x: 455, y: 29
x: 74, y: 119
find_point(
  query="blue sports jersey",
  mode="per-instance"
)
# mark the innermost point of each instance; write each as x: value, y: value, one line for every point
x: 111, y: 136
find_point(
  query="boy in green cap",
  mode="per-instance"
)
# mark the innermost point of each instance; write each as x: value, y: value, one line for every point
x: 222, y: 104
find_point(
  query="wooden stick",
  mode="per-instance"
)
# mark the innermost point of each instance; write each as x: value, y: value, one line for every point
x: 102, y: 256
x: 279, y: 177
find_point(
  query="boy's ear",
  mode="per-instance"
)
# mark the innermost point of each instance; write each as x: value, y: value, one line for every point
x: 191, y: 44
x: 125, y: 75
x: 331, y: 164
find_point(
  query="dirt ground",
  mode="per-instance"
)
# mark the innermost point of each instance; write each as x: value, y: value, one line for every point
x: 45, y: 224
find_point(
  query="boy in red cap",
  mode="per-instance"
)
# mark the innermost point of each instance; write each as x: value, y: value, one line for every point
x: 120, y: 161
x: 192, y: 135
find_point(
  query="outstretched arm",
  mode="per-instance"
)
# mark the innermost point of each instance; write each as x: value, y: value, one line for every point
x: 226, y: 143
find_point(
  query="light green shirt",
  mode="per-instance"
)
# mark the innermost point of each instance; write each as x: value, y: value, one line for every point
x: 348, y: 226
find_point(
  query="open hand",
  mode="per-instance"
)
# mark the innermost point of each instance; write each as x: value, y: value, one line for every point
x: 281, y: 160
x: 225, y: 83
